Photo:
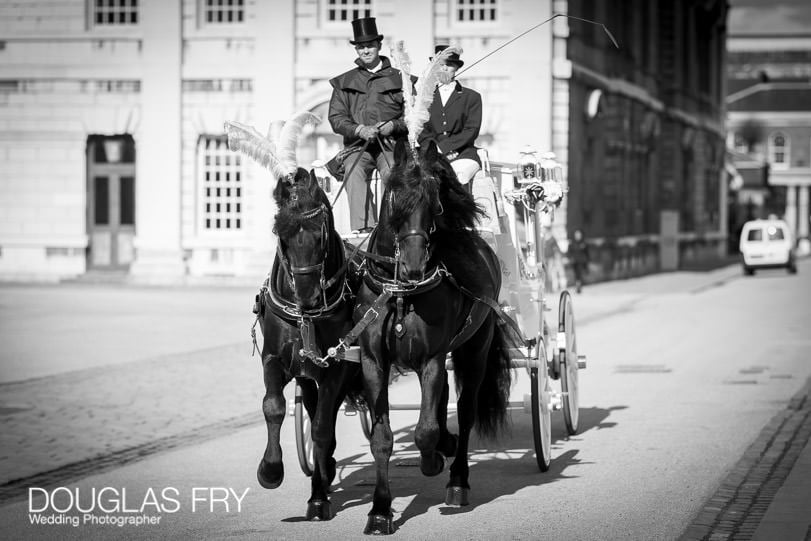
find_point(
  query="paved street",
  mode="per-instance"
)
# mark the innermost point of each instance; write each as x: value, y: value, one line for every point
x: 102, y: 369
x: 48, y: 329
x: 169, y: 416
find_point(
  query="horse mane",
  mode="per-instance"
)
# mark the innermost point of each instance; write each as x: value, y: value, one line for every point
x: 455, y: 214
x: 294, y: 200
x: 412, y: 191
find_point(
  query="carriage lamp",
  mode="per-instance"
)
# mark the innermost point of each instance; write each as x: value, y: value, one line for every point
x: 528, y: 166
x: 552, y: 178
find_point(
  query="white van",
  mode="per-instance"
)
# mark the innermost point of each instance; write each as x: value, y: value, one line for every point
x: 767, y: 244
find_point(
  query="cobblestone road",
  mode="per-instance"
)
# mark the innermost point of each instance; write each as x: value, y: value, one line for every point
x: 738, y: 507
x: 82, y: 416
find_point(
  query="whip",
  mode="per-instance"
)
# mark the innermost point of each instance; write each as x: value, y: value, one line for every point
x: 524, y: 33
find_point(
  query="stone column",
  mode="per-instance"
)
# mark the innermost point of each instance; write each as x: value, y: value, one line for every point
x: 791, y: 209
x: 529, y: 84
x: 803, y: 242
x: 158, y: 254
x: 723, y: 210
x: 413, y: 22
x: 274, y: 85
x: 668, y: 240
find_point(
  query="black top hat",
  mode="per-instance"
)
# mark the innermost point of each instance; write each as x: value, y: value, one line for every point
x: 364, y: 29
x: 452, y: 58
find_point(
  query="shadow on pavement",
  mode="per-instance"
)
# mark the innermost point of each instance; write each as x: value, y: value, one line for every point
x: 497, y: 468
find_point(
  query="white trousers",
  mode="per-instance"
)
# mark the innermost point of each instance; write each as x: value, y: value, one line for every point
x: 465, y: 169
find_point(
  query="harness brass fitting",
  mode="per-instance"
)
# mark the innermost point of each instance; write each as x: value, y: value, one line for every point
x: 399, y: 327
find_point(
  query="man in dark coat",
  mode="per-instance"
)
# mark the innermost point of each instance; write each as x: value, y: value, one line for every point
x: 367, y: 106
x: 456, y: 117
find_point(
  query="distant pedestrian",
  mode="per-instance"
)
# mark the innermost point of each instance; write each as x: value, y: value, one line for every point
x: 579, y: 256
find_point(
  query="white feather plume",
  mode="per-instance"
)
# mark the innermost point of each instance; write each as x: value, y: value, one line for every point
x: 248, y: 141
x: 402, y: 62
x: 289, y: 136
x: 274, y: 130
x: 276, y: 151
x: 426, y: 84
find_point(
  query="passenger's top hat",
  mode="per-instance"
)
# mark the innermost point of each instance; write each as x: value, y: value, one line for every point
x: 452, y: 58
x: 364, y: 29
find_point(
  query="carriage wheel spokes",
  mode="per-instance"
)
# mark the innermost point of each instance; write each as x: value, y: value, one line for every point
x: 541, y: 407
x: 568, y: 360
x: 304, y: 437
x: 357, y: 406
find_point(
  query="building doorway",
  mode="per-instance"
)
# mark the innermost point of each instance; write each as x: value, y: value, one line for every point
x: 110, y: 202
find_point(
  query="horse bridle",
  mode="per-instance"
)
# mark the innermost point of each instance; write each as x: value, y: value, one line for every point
x: 426, y: 236
x: 292, y: 271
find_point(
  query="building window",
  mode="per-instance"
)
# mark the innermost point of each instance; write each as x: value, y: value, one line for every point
x: 346, y: 10
x: 217, y: 85
x: 476, y: 11
x: 740, y: 143
x: 221, y: 184
x: 223, y: 11
x: 113, y: 12
x: 779, y: 151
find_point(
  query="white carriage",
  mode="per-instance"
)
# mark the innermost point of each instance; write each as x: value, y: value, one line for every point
x: 521, y: 200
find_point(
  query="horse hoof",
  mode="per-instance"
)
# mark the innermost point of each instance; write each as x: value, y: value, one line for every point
x: 456, y: 496
x: 270, y: 475
x: 432, y: 465
x: 379, y: 525
x: 319, y: 510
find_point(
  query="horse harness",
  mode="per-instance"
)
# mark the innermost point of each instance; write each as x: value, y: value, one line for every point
x: 270, y: 297
x: 387, y: 288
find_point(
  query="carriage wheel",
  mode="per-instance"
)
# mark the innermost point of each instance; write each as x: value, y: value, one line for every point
x: 567, y: 355
x: 304, y: 437
x: 541, y: 408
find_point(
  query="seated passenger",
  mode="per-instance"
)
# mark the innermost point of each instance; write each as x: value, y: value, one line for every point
x: 456, y: 117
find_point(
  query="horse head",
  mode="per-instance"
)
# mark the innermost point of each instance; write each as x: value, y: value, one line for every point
x: 412, y: 207
x: 303, y: 225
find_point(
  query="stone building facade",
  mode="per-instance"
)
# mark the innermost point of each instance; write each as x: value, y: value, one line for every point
x: 769, y: 104
x: 646, y: 135
x: 111, y: 114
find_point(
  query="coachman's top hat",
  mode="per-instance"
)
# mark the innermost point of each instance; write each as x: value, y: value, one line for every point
x: 364, y: 29
x: 453, y: 58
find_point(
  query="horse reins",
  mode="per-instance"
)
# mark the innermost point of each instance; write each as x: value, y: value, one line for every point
x: 292, y: 270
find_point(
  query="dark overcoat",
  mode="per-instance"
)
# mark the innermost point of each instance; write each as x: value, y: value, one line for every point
x: 362, y: 97
x: 455, y: 125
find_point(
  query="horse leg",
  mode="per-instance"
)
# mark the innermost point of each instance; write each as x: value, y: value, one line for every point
x: 323, y: 432
x: 270, y: 473
x: 433, y: 380
x: 458, y: 489
x: 447, y: 441
x: 376, y: 378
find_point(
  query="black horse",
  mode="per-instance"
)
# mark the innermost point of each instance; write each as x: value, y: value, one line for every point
x: 430, y: 277
x: 304, y: 308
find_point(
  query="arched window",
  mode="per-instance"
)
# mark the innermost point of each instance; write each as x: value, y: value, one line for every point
x: 779, y: 147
